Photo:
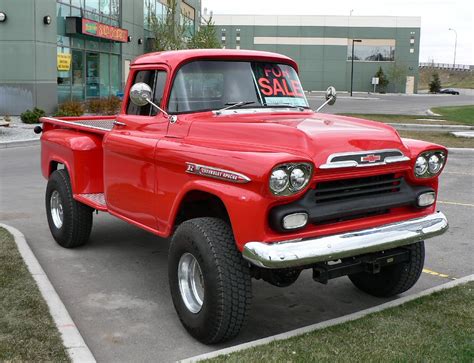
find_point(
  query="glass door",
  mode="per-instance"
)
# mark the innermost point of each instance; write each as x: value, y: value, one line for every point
x: 92, y: 75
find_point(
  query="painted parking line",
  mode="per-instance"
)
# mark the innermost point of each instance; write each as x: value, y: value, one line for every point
x: 455, y: 203
x: 434, y: 273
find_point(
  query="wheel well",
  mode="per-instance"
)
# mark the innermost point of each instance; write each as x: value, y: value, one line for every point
x: 55, y: 165
x: 196, y: 204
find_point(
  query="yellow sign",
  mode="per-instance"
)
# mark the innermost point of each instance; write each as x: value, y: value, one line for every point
x: 64, y: 62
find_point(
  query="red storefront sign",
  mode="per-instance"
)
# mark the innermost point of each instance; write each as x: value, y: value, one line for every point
x: 101, y: 30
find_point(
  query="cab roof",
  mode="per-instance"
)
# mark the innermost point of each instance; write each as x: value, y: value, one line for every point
x: 176, y: 57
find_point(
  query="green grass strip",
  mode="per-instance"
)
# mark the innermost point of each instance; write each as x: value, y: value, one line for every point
x: 27, y: 331
x: 434, y: 328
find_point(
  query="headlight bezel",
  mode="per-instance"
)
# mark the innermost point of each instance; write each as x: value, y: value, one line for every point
x: 288, y: 168
x: 428, y: 172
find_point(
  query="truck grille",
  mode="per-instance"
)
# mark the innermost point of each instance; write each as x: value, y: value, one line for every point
x: 346, y: 189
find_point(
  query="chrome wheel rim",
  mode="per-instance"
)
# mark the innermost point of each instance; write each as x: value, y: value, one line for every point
x: 191, y: 282
x: 56, y: 206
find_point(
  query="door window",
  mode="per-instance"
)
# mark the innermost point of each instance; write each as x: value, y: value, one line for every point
x: 157, y: 81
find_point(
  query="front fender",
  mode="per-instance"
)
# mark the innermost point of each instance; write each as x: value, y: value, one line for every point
x: 246, y: 209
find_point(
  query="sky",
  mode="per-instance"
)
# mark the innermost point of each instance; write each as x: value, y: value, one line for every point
x: 437, y: 16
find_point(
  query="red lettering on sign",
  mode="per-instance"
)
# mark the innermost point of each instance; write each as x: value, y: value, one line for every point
x: 276, y: 71
x: 267, y: 69
x: 277, y: 88
x: 296, y: 88
x: 265, y: 87
x: 287, y: 89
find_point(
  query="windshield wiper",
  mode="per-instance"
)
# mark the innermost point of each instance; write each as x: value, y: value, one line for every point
x: 234, y: 105
x: 300, y: 108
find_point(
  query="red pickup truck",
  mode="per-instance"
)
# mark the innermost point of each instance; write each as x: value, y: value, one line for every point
x: 220, y: 150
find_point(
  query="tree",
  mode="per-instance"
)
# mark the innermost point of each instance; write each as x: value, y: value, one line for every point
x: 169, y: 33
x: 397, y: 74
x: 435, y: 84
x: 205, y: 37
x: 383, y: 81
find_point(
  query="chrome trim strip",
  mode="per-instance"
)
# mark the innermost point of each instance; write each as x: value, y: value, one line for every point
x: 244, y: 111
x: 354, y: 164
x: 328, y: 248
x: 216, y: 173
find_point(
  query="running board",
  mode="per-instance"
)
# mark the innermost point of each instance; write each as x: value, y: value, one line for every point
x: 94, y: 200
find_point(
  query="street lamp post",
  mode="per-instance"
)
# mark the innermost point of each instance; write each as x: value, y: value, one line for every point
x: 352, y: 61
x: 455, y: 45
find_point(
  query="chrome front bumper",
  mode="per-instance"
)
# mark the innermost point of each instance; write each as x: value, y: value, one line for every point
x: 328, y: 248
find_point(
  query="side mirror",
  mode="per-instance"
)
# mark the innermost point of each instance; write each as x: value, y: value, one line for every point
x: 330, y: 98
x: 331, y: 95
x: 140, y: 94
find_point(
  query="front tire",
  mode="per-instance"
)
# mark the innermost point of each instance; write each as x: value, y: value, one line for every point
x: 209, y: 280
x: 70, y: 222
x: 393, y: 280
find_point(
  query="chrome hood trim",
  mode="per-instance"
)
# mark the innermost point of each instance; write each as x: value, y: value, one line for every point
x: 328, y: 248
x: 356, y: 159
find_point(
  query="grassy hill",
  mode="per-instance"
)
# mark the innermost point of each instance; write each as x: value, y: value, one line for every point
x: 454, y: 79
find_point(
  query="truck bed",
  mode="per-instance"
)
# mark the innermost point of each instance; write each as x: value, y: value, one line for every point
x: 96, y: 124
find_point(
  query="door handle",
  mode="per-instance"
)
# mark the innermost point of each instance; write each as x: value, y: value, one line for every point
x: 118, y: 123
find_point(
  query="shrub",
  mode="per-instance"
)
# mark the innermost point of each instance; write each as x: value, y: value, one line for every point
x: 32, y: 117
x: 70, y: 109
x: 383, y: 81
x: 104, y: 106
x: 435, y: 84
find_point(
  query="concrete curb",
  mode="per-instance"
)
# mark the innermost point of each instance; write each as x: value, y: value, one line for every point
x: 18, y: 143
x: 329, y: 323
x: 460, y: 150
x: 75, y: 345
x: 429, y: 127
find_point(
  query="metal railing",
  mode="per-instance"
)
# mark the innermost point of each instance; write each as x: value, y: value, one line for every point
x: 450, y: 66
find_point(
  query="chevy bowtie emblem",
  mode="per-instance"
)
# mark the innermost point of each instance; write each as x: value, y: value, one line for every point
x: 372, y: 158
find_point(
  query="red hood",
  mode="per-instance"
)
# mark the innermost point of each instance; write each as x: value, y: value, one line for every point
x: 314, y: 135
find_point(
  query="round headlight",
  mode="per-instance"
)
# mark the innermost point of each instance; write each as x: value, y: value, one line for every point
x: 279, y: 180
x: 298, y: 178
x: 421, y: 166
x: 434, y: 164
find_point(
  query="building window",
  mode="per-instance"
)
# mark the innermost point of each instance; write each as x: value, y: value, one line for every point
x: 104, y: 11
x: 153, y: 9
x: 237, y: 38
x: 370, y: 53
x: 223, y: 38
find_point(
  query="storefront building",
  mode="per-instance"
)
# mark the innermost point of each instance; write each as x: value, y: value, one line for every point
x: 52, y: 51
x: 322, y: 46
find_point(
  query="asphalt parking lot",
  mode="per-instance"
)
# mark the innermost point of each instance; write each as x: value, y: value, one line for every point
x: 116, y: 287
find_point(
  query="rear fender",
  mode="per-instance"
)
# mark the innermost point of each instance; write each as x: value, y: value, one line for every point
x: 81, y: 154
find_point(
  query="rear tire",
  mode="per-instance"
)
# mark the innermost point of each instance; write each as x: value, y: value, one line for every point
x: 209, y: 280
x: 70, y: 222
x: 393, y: 280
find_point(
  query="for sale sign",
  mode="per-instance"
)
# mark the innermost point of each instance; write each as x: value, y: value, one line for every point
x: 278, y: 84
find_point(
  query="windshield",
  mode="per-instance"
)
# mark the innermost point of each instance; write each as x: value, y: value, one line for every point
x: 213, y: 85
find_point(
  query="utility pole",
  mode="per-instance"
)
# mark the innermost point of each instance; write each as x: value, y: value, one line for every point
x: 352, y: 61
x: 455, y: 46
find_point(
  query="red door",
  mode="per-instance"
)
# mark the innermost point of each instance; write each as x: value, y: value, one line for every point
x: 129, y: 157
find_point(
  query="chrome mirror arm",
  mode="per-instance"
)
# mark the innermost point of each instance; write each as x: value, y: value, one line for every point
x: 324, y: 104
x: 172, y: 118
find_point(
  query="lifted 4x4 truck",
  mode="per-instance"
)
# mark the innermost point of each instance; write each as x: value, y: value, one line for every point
x: 219, y: 150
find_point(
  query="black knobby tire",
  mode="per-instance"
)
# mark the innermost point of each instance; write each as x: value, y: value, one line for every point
x: 77, y: 217
x: 396, y: 279
x: 225, y: 275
